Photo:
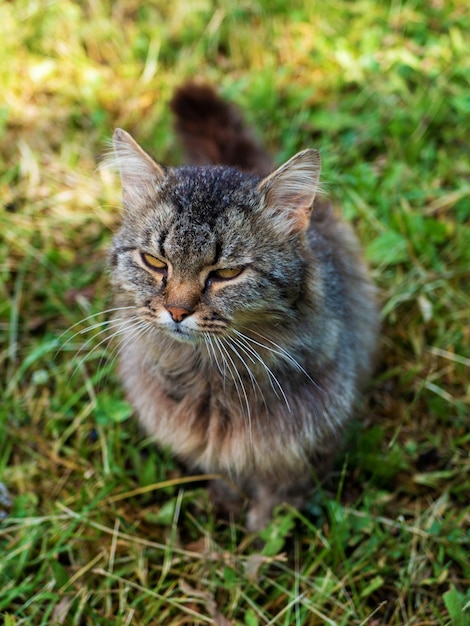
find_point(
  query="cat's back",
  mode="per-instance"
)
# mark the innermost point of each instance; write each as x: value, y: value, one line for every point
x: 351, y: 293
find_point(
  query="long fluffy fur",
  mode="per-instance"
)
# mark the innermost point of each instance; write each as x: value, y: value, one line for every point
x: 258, y: 381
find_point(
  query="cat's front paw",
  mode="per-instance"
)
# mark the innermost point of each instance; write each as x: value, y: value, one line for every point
x: 227, y: 500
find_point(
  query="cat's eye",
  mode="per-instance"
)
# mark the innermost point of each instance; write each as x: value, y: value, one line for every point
x: 227, y: 273
x: 152, y: 262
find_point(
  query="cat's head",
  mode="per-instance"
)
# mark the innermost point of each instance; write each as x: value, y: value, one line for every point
x: 209, y: 249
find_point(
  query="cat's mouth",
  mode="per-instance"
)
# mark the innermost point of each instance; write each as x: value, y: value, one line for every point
x: 188, y: 335
x: 190, y: 329
x: 182, y: 334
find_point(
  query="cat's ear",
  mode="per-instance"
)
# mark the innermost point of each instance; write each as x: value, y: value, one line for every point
x: 139, y: 172
x: 289, y: 192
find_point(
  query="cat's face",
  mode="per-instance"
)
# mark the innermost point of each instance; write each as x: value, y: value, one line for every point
x: 206, y: 250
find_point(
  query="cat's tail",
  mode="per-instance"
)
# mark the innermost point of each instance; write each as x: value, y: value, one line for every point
x: 213, y: 131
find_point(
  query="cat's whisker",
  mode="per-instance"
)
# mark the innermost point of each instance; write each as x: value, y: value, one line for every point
x: 61, y: 348
x: 323, y: 401
x: 277, y: 350
x: 122, y: 329
x: 237, y: 377
x: 229, y: 341
x: 227, y: 371
x: 88, y: 328
x: 139, y: 328
x: 133, y: 333
x: 212, y: 353
x: 258, y: 358
x: 300, y: 368
x: 133, y: 329
x: 271, y: 376
x: 132, y: 326
x: 83, y: 331
x: 225, y: 345
x: 224, y: 368
x: 280, y: 351
x: 208, y: 349
x: 226, y: 341
x: 107, y: 325
x: 236, y: 346
x: 89, y: 317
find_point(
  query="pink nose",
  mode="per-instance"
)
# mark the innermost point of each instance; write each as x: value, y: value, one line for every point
x: 178, y: 313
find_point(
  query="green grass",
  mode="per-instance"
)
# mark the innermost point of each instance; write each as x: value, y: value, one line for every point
x: 97, y: 525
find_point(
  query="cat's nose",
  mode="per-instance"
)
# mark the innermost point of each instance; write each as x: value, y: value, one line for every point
x: 178, y: 313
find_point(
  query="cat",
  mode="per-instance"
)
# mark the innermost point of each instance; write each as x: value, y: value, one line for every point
x: 248, y: 320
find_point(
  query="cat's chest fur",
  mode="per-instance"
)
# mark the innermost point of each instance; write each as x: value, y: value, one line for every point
x: 221, y: 423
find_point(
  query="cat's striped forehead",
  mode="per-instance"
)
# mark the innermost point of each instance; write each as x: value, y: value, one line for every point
x: 203, y: 215
x: 183, y: 242
x: 204, y: 194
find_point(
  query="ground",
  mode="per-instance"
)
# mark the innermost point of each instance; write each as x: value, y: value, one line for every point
x: 98, y: 526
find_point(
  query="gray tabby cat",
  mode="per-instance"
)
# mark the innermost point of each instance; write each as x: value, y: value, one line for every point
x: 251, y: 321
